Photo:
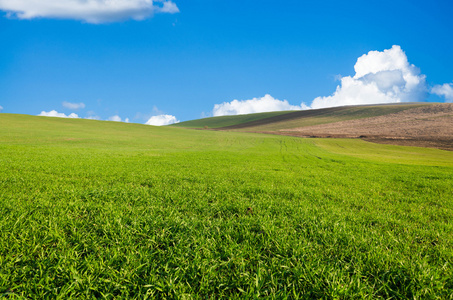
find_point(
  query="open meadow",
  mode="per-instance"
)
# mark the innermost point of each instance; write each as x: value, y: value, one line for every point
x: 93, y: 209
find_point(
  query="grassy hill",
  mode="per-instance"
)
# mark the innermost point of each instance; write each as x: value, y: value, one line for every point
x: 96, y: 209
x: 224, y: 121
x: 273, y: 121
x: 321, y: 116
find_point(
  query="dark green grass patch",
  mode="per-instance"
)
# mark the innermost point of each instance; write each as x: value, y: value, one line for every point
x: 223, y: 121
x: 107, y: 210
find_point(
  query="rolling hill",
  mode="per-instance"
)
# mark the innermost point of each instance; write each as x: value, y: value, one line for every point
x: 413, y: 124
x: 227, y: 121
x: 291, y: 119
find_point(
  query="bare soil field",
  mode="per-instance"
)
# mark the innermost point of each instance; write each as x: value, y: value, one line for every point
x: 425, y: 126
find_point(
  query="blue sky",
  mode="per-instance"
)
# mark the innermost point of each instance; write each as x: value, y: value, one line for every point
x: 185, y: 59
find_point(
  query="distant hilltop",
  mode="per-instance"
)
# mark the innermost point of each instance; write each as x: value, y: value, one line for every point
x: 410, y: 124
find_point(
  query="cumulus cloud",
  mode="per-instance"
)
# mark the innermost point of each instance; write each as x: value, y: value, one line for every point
x: 162, y: 120
x: 73, y: 106
x: 381, y: 77
x: 91, y: 11
x: 54, y: 113
x: 115, y: 118
x: 445, y: 90
x: 1, y: 108
x: 255, y: 105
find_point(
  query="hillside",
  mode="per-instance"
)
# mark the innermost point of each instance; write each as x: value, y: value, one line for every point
x: 96, y: 209
x: 410, y: 124
x: 427, y: 126
x: 224, y: 121
x: 321, y: 116
x: 290, y: 119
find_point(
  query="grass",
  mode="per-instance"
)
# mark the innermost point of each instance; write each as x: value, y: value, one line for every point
x: 386, y: 153
x: 93, y: 209
x: 223, y: 121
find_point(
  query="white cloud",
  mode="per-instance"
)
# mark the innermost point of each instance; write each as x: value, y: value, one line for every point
x: 167, y: 7
x: 205, y: 115
x: 115, y: 118
x: 91, y: 115
x: 255, y: 105
x: 162, y: 120
x: 54, y: 113
x: 445, y: 90
x: 1, y: 108
x: 381, y: 77
x: 73, y: 106
x: 91, y: 11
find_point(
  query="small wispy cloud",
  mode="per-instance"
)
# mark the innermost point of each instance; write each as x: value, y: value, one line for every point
x: 167, y: 7
x: 1, y: 108
x: 91, y: 11
x: 255, y: 105
x: 54, y: 113
x: 73, y: 106
x: 162, y: 120
x: 445, y: 90
x: 91, y: 115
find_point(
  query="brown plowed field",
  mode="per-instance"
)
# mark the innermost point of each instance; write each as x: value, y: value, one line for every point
x: 425, y: 126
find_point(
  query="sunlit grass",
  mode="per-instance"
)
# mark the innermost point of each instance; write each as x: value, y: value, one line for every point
x: 387, y: 153
x: 95, y: 209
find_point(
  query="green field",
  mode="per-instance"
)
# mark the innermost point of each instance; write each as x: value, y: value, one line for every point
x: 96, y: 209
